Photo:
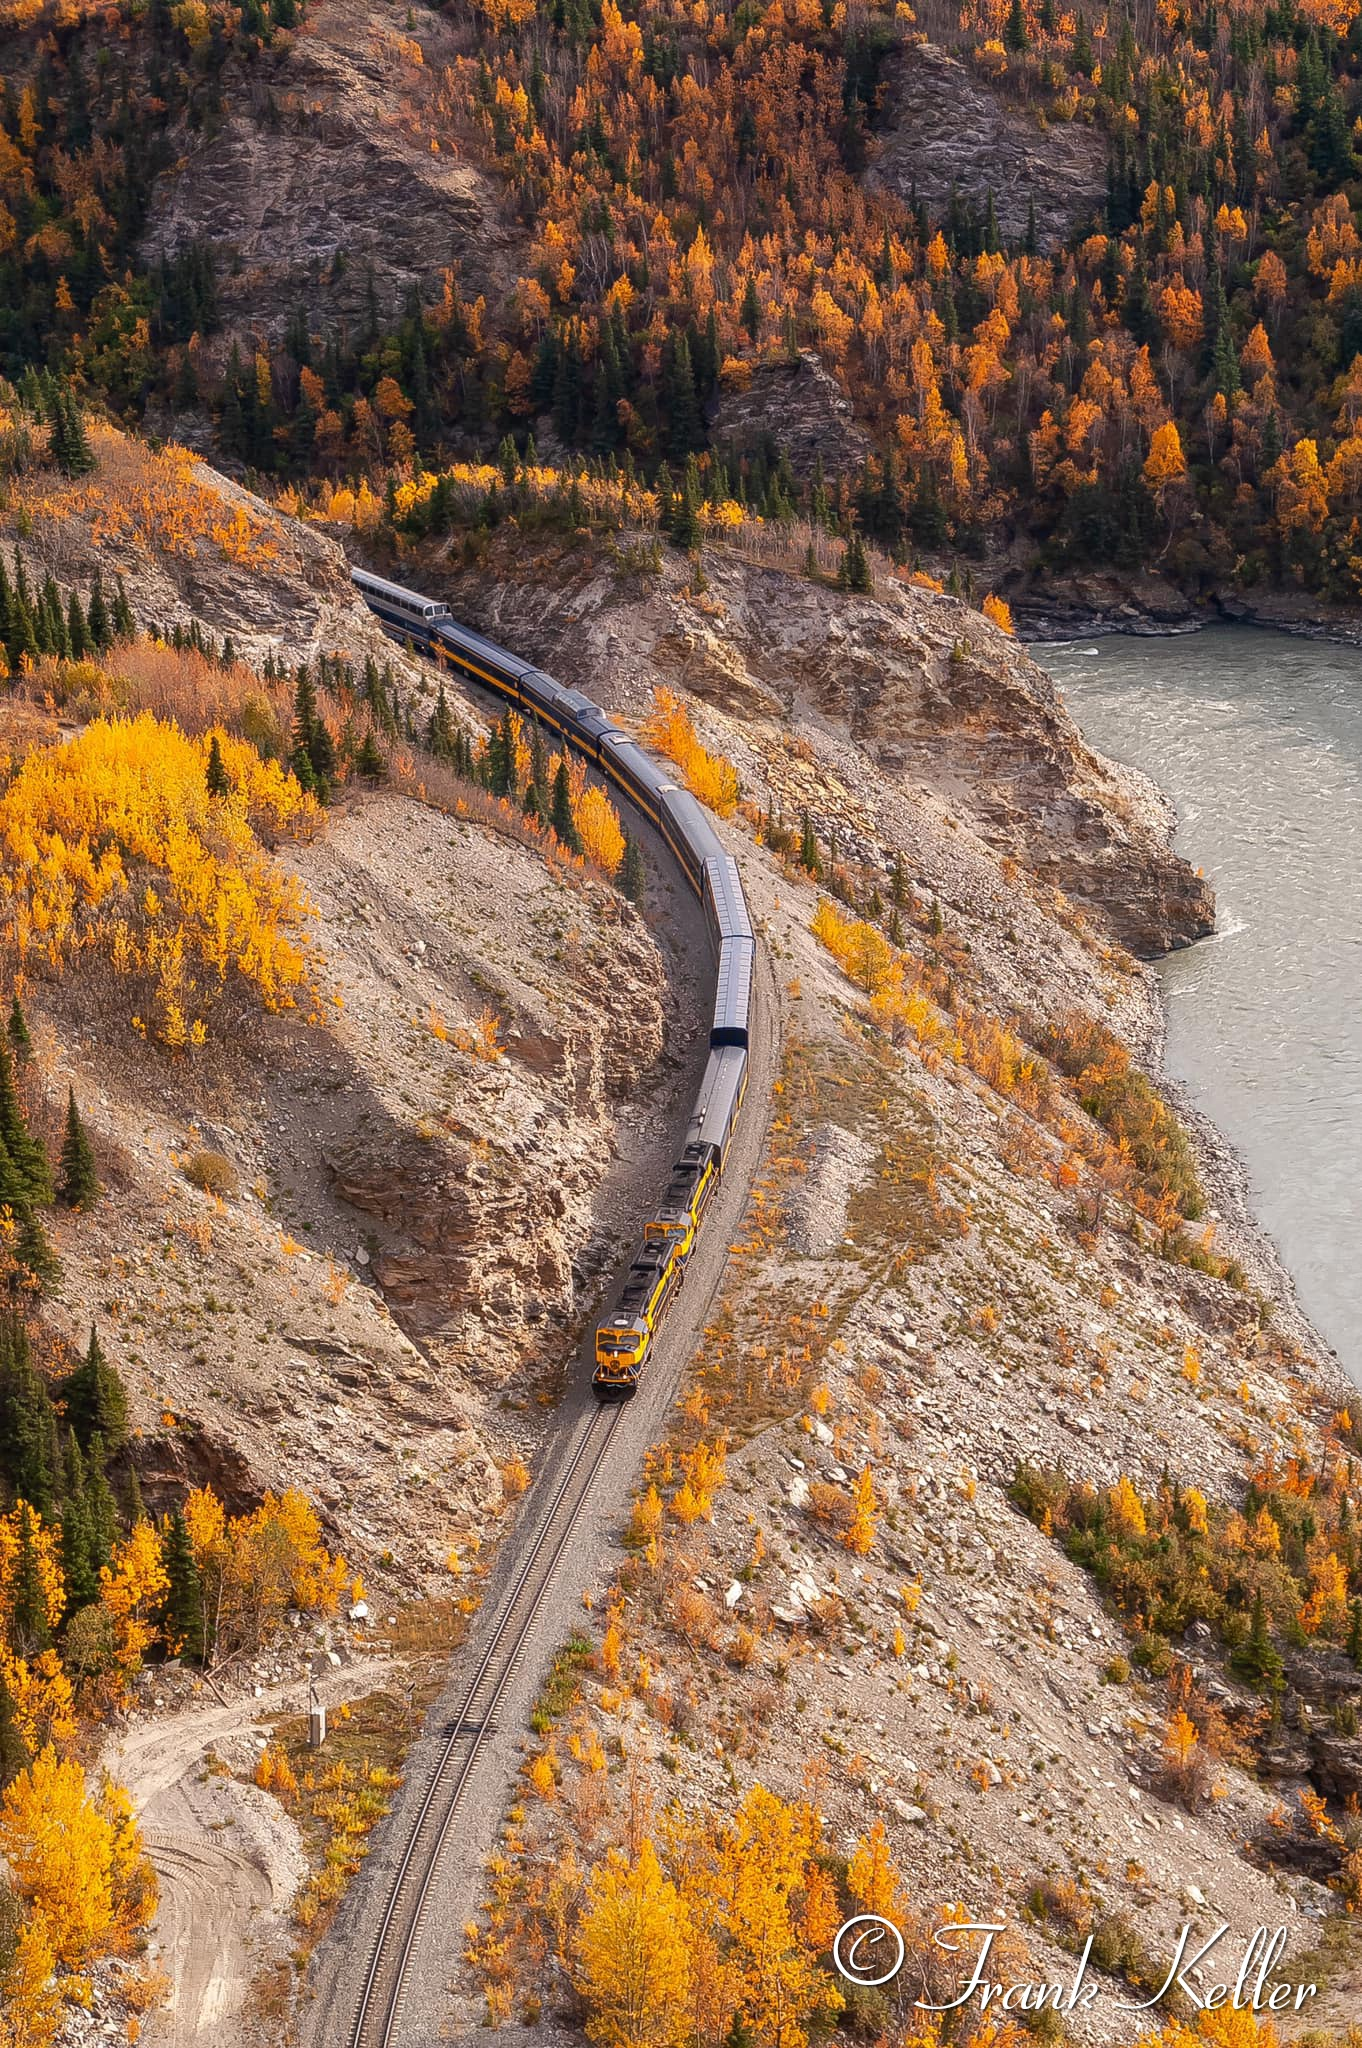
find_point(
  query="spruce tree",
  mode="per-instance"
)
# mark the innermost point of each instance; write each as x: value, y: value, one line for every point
x: 215, y: 774
x: 14, y: 1756
x: 440, y: 734
x: 29, y: 1457
x: 96, y: 1405
x: 97, y: 616
x: 99, y: 1502
x: 1257, y: 1660
x: 560, y: 811
x: 183, y: 1611
x: 1355, y: 1632
x: 370, y: 761
x: 29, y: 1628
x: 25, y: 1151
x: 77, y: 632
x: 633, y: 875
x: 77, y: 1535
x: 16, y: 1030
x: 77, y: 1181
x: 124, y: 624
x: 34, y: 1252
x: 808, y: 846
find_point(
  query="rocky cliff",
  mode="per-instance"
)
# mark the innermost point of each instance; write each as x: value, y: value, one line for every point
x: 955, y: 721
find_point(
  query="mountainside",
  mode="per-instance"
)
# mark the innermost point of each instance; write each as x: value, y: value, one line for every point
x: 931, y: 718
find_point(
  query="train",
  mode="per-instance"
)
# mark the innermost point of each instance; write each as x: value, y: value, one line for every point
x: 627, y: 1334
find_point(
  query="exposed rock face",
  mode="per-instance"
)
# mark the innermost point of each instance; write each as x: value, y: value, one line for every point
x: 476, y: 1216
x: 940, y: 700
x: 944, y: 128
x: 323, y: 178
x: 798, y: 406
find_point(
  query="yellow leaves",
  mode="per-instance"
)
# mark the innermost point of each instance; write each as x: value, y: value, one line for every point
x: 632, y: 1955
x: 998, y: 612
x: 1180, y: 1739
x: 669, y: 728
x: 44, y: 1703
x: 1126, y: 1508
x: 515, y: 1477
x: 21, y: 1527
x: 30, y: 2002
x: 1195, y: 1508
x: 1165, y: 463
x: 124, y: 794
x: 274, y: 1773
x: 542, y: 1776
x: 1302, y: 490
x: 598, y: 825
x: 1180, y: 313
x: 859, y: 1535
x: 872, y: 1878
x: 1327, y: 1607
x: 131, y: 1587
x: 254, y: 1566
x: 76, y: 1860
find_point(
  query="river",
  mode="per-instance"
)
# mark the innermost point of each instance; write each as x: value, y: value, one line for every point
x: 1258, y: 740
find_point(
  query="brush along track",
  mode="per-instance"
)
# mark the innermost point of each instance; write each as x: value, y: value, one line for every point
x: 378, y: 2015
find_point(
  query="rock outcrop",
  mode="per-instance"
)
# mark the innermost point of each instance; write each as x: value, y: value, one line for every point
x: 321, y: 191
x: 947, y: 708
x: 944, y: 129
x: 795, y: 405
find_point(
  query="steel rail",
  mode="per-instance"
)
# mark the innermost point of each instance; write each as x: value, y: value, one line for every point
x: 376, y: 2019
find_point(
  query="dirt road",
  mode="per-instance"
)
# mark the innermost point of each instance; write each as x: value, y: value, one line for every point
x: 227, y: 1856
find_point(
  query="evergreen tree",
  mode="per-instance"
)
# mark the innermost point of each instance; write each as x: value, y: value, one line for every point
x: 1256, y: 1660
x: 215, y: 774
x: 29, y: 1628
x: 853, y: 572
x: 633, y: 875
x: 77, y: 1539
x: 99, y: 1503
x: 1355, y: 1632
x: 16, y: 1030
x: 29, y: 1459
x: 96, y: 1405
x: 97, y: 617
x: 14, y: 1756
x: 34, y: 1252
x: 77, y: 1181
x: 182, y: 1615
x: 501, y: 758
x: 370, y: 760
x: 77, y: 632
x: 560, y: 811
x: 124, y: 624
x: 26, y: 1152
x: 440, y: 733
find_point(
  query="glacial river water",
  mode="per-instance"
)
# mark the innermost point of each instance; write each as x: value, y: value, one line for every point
x: 1258, y: 740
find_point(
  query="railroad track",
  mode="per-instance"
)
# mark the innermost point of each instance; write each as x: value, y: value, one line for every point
x: 378, y: 2016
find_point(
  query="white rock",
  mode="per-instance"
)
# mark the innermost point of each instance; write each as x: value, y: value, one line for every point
x: 912, y: 1814
x: 360, y: 1611
x: 733, y: 1595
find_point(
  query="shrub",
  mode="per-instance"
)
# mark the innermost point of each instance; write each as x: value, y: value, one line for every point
x: 212, y: 1173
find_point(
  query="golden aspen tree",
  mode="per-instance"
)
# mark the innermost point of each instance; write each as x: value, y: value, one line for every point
x: 631, y: 1954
